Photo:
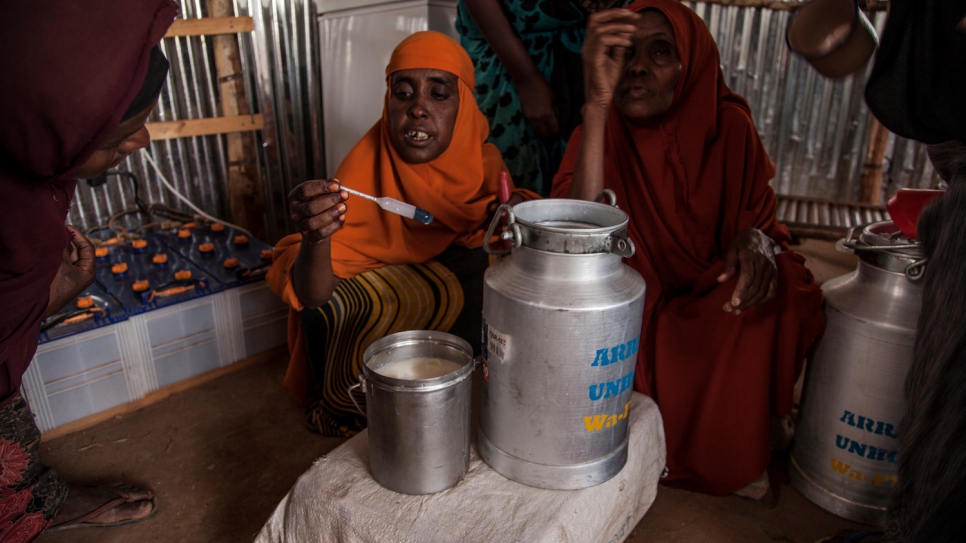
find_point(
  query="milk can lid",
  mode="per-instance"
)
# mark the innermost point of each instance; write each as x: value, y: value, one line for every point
x: 883, y: 245
x: 563, y: 225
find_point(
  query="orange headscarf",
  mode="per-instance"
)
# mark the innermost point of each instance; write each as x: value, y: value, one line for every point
x: 456, y: 187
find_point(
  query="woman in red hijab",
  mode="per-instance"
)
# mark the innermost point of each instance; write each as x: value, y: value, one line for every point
x: 355, y: 275
x: 729, y: 311
x: 80, y: 79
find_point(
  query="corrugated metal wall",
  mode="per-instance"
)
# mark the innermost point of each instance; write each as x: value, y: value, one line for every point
x: 280, y: 67
x: 814, y: 129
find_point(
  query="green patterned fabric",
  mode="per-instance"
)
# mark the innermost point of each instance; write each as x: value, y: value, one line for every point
x: 553, y: 33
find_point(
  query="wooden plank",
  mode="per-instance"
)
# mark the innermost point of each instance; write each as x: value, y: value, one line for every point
x: 210, y: 26
x: 205, y: 127
x: 870, y: 190
x: 280, y: 352
x: 830, y: 233
x: 245, y: 198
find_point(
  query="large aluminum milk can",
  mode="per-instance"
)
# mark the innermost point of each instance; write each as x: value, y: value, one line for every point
x: 845, y: 452
x: 561, y: 329
x: 419, y: 428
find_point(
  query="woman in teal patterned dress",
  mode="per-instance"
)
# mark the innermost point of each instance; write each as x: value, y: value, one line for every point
x: 529, y: 81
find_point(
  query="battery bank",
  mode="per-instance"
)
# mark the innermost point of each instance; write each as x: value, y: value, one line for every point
x: 91, y: 309
x: 232, y: 257
x: 163, y: 308
x: 146, y: 274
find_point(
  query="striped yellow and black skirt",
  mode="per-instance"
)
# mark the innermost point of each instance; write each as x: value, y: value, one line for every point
x: 444, y: 294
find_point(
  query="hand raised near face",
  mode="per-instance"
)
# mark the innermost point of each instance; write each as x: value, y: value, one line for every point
x: 609, y: 34
x: 752, y: 256
x: 317, y: 208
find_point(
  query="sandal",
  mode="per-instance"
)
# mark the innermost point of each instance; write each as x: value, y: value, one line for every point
x: 115, y: 495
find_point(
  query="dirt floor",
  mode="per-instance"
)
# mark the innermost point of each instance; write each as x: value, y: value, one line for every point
x: 220, y: 456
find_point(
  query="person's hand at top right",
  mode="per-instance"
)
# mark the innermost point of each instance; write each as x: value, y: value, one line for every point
x: 609, y: 34
x: 317, y: 208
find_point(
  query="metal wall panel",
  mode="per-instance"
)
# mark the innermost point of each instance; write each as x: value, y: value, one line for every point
x: 814, y: 129
x: 279, y: 62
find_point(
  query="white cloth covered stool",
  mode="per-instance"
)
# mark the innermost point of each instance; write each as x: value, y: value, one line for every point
x: 338, y: 501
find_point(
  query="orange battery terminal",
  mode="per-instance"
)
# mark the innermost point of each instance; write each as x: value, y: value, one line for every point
x: 111, y: 241
x: 184, y: 233
x: 101, y: 252
x: 217, y: 227
x: 231, y: 263
x: 206, y: 247
x: 140, y: 286
x: 189, y: 225
x: 85, y: 301
x: 139, y: 243
x: 160, y: 258
x: 181, y: 275
x: 170, y: 292
x: 241, y: 240
x: 78, y: 318
x: 119, y: 268
x: 266, y: 254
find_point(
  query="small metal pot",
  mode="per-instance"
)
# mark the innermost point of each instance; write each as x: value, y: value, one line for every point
x: 419, y: 429
x: 834, y: 36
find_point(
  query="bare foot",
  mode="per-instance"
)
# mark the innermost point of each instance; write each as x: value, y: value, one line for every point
x: 107, y: 505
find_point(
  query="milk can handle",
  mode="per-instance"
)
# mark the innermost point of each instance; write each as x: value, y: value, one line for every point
x: 621, y: 245
x: 850, y: 242
x: 914, y: 272
x: 512, y: 234
x: 361, y: 384
x: 610, y: 195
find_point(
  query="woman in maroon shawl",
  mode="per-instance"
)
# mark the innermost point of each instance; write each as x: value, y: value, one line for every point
x: 729, y: 311
x: 79, y: 81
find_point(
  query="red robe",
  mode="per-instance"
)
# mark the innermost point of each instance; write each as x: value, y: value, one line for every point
x: 690, y: 184
x: 70, y: 70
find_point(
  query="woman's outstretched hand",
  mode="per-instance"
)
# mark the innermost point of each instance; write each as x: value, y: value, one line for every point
x: 609, y: 35
x: 752, y: 256
x: 317, y: 208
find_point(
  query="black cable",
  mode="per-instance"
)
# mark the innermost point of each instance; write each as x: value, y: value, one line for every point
x: 57, y: 319
x: 256, y: 271
x: 101, y: 179
x: 141, y: 204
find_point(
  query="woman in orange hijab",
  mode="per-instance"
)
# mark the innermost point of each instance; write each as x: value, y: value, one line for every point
x: 356, y: 275
x: 729, y: 311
